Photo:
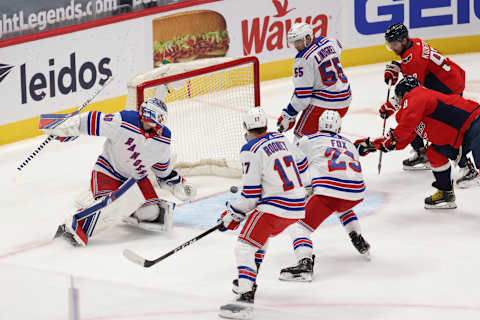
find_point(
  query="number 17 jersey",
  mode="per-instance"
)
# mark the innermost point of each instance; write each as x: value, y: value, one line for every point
x: 334, y: 166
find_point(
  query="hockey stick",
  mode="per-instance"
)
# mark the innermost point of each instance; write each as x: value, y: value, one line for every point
x: 135, y: 258
x: 383, y: 131
x: 50, y: 138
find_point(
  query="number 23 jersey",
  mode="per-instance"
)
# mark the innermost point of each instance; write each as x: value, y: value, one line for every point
x: 334, y: 166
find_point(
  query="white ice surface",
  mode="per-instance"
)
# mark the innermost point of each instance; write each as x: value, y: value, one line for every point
x: 425, y: 263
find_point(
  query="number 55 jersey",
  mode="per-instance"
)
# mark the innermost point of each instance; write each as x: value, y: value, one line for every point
x: 334, y: 166
x: 318, y: 77
x: 271, y: 179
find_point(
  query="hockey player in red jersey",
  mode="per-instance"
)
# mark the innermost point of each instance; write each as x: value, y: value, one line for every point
x: 434, y: 71
x: 450, y: 122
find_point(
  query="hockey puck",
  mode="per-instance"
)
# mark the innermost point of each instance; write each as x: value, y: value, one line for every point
x: 233, y: 189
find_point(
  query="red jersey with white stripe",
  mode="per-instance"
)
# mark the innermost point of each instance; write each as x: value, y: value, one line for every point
x: 432, y: 69
x: 128, y: 152
x: 318, y: 77
x: 272, y: 183
x: 334, y: 166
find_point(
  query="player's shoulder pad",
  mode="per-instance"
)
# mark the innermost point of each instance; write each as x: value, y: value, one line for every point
x: 305, y: 53
x: 164, y: 136
x: 131, y: 117
x: 254, y: 144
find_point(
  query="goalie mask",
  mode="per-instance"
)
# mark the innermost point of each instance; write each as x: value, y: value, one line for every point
x: 154, y: 111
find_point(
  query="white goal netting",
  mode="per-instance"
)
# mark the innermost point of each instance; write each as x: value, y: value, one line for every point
x: 206, y: 100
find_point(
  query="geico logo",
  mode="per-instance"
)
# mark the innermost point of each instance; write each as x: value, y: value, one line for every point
x: 372, y: 17
x: 66, y: 80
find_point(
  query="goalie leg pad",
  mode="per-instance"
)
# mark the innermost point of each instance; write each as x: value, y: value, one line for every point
x: 107, y: 211
x: 163, y: 221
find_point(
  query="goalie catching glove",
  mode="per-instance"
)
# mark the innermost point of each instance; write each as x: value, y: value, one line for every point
x: 231, y: 218
x: 178, y: 186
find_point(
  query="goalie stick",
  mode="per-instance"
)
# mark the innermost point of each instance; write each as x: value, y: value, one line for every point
x: 50, y: 138
x: 383, y: 131
x: 135, y: 258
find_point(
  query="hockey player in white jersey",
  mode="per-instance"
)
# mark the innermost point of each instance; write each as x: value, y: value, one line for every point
x: 137, y: 142
x: 319, y: 81
x: 272, y: 198
x: 337, y: 186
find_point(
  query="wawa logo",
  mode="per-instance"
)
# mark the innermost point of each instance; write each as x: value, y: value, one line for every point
x: 271, y: 31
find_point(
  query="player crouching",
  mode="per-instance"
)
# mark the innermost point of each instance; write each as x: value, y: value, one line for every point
x: 450, y: 122
x: 337, y: 185
x: 136, y: 143
x: 272, y: 196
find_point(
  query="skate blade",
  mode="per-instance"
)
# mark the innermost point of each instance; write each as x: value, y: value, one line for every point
x: 448, y: 205
x: 301, y: 277
x: 417, y: 168
x: 236, y: 311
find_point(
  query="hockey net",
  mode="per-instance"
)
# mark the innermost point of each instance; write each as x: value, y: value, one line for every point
x: 206, y: 100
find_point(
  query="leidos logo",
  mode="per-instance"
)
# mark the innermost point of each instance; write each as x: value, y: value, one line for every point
x: 4, y: 70
x: 66, y: 81
x: 273, y: 32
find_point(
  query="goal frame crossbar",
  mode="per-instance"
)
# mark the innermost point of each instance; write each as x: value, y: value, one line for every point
x: 205, y: 70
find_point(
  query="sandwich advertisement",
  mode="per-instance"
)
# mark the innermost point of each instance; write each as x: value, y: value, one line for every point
x: 188, y: 36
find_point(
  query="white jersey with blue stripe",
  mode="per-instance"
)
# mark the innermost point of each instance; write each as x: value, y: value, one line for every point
x: 128, y: 152
x: 334, y: 166
x: 318, y: 77
x: 272, y: 177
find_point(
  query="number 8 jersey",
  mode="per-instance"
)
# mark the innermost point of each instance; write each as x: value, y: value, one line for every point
x: 334, y: 166
x: 318, y: 77
x: 271, y: 179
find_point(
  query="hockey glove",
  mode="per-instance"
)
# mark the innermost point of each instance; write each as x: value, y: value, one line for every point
x: 230, y: 218
x: 178, y: 186
x: 392, y: 71
x: 386, y: 143
x: 70, y: 127
x: 364, y: 146
x: 286, y: 121
x: 387, y: 109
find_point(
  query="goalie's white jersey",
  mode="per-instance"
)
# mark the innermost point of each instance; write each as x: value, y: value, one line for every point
x: 128, y: 152
x: 318, y: 77
x: 334, y: 166
x: 272, y: 183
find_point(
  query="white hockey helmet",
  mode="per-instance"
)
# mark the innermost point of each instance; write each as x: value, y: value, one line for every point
x: 300, y: 31
x: 255, y: 118
x: 154, y: 111
x: 330, y: 121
